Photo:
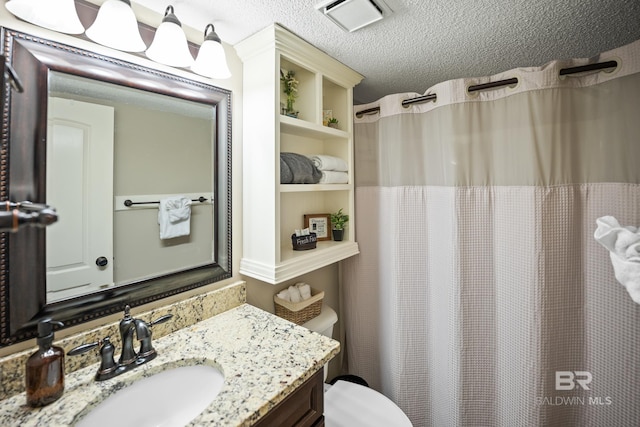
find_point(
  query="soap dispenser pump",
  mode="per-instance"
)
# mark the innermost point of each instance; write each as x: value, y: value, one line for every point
x: 45, y: 368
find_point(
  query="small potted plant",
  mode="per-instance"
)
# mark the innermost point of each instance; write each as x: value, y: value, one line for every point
x: 333, y: 123
x: 338, y: 223
x: 290, y: 89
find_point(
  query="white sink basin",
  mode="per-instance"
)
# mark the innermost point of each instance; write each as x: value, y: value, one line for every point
x: 169, y: 398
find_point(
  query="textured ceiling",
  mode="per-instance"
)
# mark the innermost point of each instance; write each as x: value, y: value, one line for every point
x: 424, y: 42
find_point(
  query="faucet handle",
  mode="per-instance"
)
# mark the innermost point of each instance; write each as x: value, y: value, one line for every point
x: 83, y: 348
x: 161, y: 319
x: 107, y: 362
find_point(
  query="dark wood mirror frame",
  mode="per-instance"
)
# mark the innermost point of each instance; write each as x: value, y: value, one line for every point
x: 23, y: 172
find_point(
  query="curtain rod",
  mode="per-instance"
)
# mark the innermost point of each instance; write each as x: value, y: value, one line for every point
x: 493, y: 85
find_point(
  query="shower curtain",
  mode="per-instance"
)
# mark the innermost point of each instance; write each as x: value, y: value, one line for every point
x: 480, y: 297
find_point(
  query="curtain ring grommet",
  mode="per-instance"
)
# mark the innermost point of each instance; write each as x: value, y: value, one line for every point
x: 516, y: 85
x: 471, y: 94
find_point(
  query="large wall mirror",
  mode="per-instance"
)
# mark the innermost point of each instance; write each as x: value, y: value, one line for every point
x: 112, y: 146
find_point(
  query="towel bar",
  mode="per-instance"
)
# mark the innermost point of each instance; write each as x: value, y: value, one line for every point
x: 129, y: 203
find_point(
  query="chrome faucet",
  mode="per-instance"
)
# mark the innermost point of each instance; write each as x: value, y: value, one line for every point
x: 129, y: 358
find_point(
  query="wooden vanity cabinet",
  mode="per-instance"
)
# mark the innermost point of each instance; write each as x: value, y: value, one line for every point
x: 302, y: 408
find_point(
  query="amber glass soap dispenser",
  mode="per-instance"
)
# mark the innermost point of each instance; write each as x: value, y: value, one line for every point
x: 45, y: 368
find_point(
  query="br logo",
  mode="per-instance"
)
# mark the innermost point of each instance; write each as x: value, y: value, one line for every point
x: 569, y: 380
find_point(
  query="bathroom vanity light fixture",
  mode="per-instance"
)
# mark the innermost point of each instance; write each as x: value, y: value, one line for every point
x: 116, y: 26
x: 169, y: 46
x: 57, y: 15
x: 211, y: 61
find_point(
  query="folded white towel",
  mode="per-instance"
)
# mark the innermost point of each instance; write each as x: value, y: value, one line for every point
x: 294, y: 294
x: 329, y: 163
x: 174, y: 217
x: 334, y: 177
x: 305, y: 290
x: 623, y: 244
x: 284, y: 295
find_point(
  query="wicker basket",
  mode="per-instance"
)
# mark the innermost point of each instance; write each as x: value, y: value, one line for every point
x: 299, y: 312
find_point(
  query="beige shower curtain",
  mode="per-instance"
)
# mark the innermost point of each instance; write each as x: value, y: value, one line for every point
x: 480, y: 297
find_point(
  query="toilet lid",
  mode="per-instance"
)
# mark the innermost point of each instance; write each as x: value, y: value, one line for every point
x: 352, y: 405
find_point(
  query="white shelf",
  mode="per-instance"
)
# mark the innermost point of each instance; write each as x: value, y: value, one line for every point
x: 272, y: 211
x: 307, y: 129
x: 299, y: 188
x: 296, y: 263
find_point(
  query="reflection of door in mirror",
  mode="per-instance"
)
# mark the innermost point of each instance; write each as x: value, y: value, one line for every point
x: 80, y: 185
x: 150, y: 147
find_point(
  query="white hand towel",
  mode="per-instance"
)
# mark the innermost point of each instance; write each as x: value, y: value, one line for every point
x: 284, y: 295
x: 174, y: 217
x: 294, y: 294
x: 334, y: 177
x: 623, y: 244
x: 305, y: 290
x: 329, y: 163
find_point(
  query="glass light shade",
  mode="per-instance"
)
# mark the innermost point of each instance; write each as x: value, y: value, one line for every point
x: 169, y: 45
x: 57, y: 15
x: 116, y: 26
x: 211, y: 61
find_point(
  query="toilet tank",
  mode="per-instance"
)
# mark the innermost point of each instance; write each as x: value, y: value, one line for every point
x: 323, y: 323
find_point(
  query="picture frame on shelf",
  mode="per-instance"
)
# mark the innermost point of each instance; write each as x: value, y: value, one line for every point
x: 319, y: 224
x: 326, y: 115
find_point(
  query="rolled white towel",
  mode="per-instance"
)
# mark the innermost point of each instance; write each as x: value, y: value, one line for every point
x: 284, y: 295
x: 329, y: 163
x: 305, y: 290
x: 294, y: 294
x: 334, y: 177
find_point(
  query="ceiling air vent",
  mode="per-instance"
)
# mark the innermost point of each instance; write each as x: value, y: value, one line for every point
x: 351, y: 15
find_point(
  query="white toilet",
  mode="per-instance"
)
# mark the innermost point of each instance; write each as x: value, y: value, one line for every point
x: 347, y: 404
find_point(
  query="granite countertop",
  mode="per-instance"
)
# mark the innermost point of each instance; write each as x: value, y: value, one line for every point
x: 263, y: 358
